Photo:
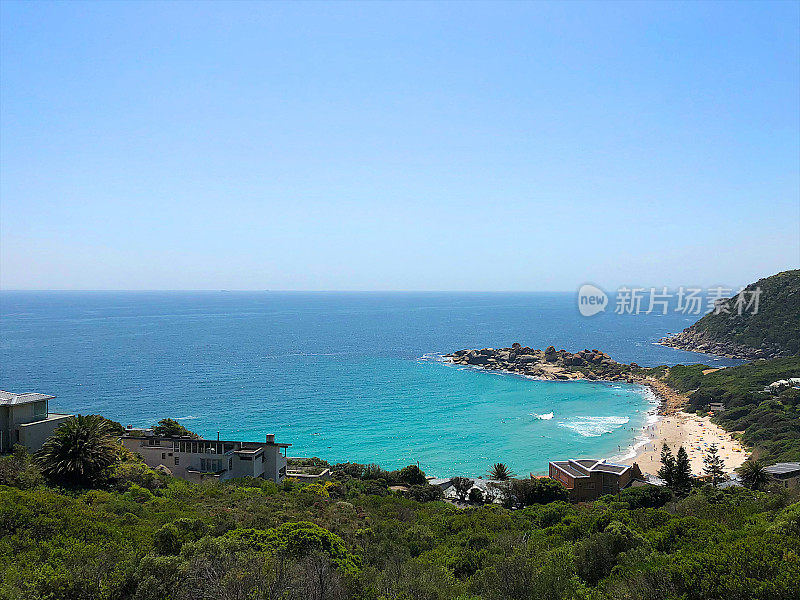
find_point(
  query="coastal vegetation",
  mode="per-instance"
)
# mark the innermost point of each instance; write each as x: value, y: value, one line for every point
x: 500, y: 472
x: 81, y: 449
x: 676, y: 470
x: 768, y: 421
x: 141, y: 534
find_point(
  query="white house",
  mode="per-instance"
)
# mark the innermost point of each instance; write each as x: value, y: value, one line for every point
x: 196, y: 459
x: 26, y: 419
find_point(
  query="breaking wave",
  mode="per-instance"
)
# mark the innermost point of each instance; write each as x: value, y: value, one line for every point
x: 594, y: 426
x: 544, y: 417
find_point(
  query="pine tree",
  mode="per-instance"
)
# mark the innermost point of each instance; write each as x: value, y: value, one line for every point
x: 667, y: 470
x: 683, y: 472
x: 713, y: 465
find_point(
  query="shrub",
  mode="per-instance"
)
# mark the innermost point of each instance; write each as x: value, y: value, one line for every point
x: 647, y: 496
x: 476, y: 496
x: 424, y: 493
x: 412, y: 475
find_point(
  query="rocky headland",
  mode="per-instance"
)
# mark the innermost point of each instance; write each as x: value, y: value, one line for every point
x: 760, y: 322
x: 552, y: 364
x: 547, y: 364
x: 695, y: 340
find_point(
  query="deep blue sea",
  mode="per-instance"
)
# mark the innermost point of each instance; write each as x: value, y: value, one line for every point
x: 344, y: 376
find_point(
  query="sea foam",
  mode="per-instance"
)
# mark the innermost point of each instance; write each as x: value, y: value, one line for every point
x: 594, y: 426
x: 544, y: 417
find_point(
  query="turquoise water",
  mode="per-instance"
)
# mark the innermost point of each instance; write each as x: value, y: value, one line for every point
x: 342, y: 376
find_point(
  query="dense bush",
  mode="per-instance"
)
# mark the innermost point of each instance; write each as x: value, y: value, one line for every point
x: 252, y: 539
x: 647, y: 496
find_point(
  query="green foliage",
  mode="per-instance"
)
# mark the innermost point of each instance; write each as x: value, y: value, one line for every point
x: 171, y: 428
x: 769, y: 423
x: 713, y: 465
x: 519, y: 493
x: 252, y: 539
x: 682, y: 478
x: 676, y: 471
x: 776, y: 325
x: 18, y: 469
x: 476, y: 496
x: 500, y: 472
x: 462, y: 486
x: 667, y: 470
x: 412, y: 475
x: 298, y: 540
x: 80, y: 451
x: 753, y: 475
x: 424, y: 493
x: 646, y: 496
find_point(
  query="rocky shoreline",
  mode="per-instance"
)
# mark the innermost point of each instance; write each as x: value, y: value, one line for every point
x: 561, y: 365
x: 546, y: 364
x: 699, y: 341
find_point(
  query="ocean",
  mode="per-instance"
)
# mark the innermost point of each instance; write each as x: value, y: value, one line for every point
x: 344, y: 376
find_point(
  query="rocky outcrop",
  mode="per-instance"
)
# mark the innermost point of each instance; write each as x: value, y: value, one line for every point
x: 700, y: 341
x: 546, y: 364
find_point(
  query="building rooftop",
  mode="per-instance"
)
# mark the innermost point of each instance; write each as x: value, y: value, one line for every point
x: 783, y: 468
x: 243, y: 446
x: 12, y: 399
x: 585, y: 466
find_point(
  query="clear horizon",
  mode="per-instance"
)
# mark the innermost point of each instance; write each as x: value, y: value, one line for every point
x: 389, y: 147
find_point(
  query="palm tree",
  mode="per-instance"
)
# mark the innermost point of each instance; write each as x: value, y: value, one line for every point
x: 753, y: 474
x: 500, y: 472
x: 80, y: 450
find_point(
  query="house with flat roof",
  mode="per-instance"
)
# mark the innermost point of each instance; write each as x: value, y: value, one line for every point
x: 26, y: 419
x: 588, y: 479
x: 786, y: 474
x: 197, y: 459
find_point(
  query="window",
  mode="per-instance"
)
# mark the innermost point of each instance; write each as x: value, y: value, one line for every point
x: 163, y: 455
x: 177, y: 460
x: 246, y: 458
x: 263, y: 458
x: 230, y: 463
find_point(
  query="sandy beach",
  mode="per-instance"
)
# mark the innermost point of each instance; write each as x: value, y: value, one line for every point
x: 692, y: 432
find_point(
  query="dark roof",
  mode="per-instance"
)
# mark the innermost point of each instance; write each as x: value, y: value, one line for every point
x: 783, y: 468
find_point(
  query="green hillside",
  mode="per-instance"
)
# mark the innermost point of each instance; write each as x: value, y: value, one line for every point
x: 773, y: 331
x: 769, y: 422
x: 141, y: 535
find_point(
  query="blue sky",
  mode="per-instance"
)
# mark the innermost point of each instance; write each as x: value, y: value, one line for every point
x: 397, y: 146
